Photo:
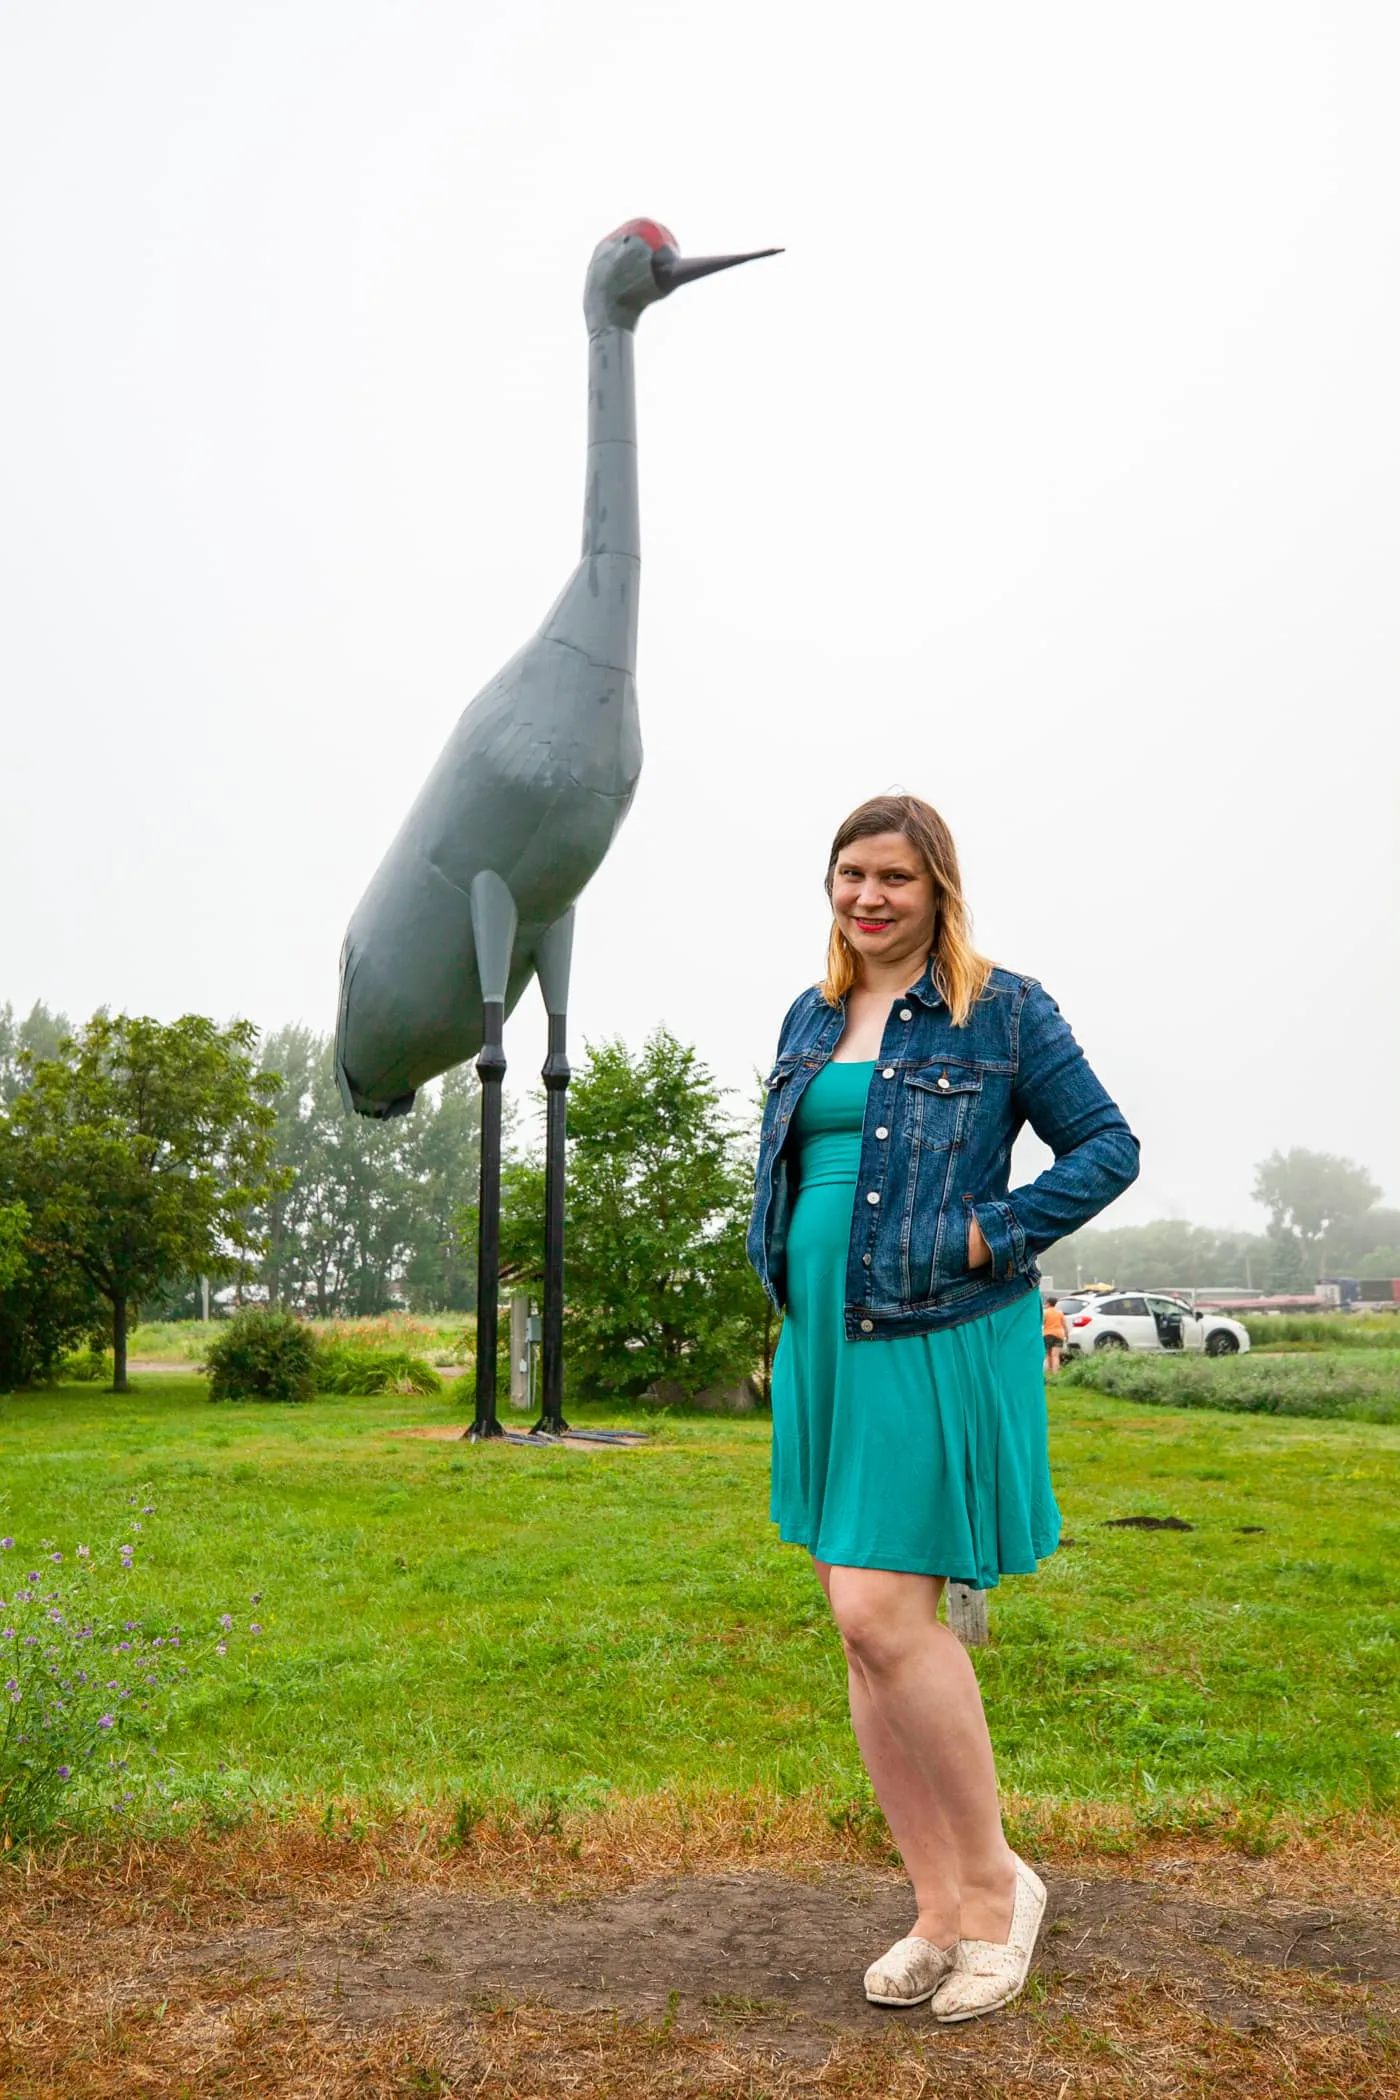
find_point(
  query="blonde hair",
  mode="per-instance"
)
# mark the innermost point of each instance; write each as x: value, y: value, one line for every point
x: 959, y: 972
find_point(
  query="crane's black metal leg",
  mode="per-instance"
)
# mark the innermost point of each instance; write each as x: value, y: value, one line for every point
x: 552, y: 966
x: 490, y: 1070
x: 556, y: 1080
x: 493, y: 931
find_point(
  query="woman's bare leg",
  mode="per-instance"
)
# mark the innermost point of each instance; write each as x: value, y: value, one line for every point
x: 917, y: 1713
x: 916, y: 1820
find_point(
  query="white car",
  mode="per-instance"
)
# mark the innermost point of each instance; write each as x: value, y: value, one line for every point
x: 1147, y: 1320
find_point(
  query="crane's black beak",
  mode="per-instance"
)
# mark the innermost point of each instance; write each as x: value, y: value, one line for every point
x: 670, y: 269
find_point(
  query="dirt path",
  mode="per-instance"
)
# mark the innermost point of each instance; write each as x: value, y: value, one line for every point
x: 782, y: 1957
x: 1179, y: 1979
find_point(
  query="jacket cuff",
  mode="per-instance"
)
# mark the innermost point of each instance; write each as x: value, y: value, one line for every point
x: 1005, y: 1239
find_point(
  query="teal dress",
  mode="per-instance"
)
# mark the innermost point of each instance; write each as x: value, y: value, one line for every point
x: 924, y: 1453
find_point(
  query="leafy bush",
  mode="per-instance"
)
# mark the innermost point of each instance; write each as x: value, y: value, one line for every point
x: 1280, y: 1385
x: 262, y: 1355
x: 85, y: 1686
x: 89, y: 1366
x: 342, y: 1367
x: 1323, y: 1330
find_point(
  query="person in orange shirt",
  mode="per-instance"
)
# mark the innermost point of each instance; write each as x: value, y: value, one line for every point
x: 1052, y: 1328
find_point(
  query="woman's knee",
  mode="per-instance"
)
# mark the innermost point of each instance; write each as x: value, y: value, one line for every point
x: 881, y: 1621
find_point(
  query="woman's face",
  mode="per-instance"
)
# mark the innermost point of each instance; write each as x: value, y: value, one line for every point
x: 883, y: 898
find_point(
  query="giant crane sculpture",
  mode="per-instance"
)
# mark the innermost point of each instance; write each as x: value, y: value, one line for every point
x: 476, y: 893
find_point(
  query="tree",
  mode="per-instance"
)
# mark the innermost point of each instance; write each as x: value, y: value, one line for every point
x: 1165, y: 1255
x: 659, y: 1181
x: 46, y: 1305
x: 366, y: 1212
x: 1313, y: 1199
x: 139, y: 1152
x: 26, y: 1042
x: 440, y: 1274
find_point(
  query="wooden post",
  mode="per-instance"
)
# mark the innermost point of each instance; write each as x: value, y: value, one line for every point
x: 519, y: 1316
x: 967, y: 1615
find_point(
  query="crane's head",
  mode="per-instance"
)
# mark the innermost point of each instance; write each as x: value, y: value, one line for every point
x: 639, y: 264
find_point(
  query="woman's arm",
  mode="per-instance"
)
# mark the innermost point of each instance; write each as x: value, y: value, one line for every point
x: 1096, y: 1155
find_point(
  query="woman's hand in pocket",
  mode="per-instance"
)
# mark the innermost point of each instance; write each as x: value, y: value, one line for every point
x: 978, y: 1252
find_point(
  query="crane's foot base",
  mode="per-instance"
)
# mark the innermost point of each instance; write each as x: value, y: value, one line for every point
x: 482, y: 1432
x: 550, y: 1425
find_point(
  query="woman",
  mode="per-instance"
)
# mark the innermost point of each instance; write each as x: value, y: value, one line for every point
x: 909, y: 1427
x: 1053, y: 1333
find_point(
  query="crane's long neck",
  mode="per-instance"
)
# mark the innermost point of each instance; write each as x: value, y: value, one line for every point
x: 610, y: 521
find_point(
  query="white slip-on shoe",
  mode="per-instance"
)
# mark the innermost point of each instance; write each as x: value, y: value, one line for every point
x: 987, y: 1974
x: 908, y: 1973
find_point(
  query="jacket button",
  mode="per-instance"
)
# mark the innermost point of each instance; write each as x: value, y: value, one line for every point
x: 905, y: 1014
x: 865, y: 1258
x: 943, y: 1086
x: 888, y: 1072
x: 882, y: 1132
x: 873, y: 1197
x: 867, y: 1327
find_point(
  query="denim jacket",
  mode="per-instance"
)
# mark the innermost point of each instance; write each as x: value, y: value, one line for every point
x: 944, y: 1108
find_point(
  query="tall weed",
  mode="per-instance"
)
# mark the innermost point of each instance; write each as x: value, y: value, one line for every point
x: 1323, y: 1330
x: 85, y: 1687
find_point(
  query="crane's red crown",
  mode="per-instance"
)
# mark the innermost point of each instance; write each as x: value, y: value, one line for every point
x: 649, y: 230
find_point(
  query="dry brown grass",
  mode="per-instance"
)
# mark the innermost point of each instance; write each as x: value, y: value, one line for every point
x: 92, y: 2005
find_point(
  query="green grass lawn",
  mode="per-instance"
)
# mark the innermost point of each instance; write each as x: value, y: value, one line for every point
x: 441, y: 1619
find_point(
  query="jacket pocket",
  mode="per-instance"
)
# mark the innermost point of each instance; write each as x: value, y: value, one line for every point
x: 939, y: 1100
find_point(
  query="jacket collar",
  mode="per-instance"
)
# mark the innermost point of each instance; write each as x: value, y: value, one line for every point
x: 926, y: 991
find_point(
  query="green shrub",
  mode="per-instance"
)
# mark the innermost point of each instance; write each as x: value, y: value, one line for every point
x: 262, y: 1355
x: 343, y: 1368
x: 1338, y: 1385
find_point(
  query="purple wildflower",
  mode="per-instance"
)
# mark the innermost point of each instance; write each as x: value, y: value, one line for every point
x: 5, y: 1545
x: 221, y: 1647
x: 55, y: 1556
x: 65, y: 1771
x: 226, y: 1620
x: 107, y: 1721
x: 255, y: 1628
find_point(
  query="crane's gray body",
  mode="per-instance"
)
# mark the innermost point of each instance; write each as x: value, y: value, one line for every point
x: 532, y: 785
x: 539, y: 772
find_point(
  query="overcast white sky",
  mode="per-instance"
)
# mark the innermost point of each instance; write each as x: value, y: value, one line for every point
x: 1050, y: 474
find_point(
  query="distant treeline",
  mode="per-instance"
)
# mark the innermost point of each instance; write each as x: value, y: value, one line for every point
x: 370, y: 1216
x: 1324, y: 1220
